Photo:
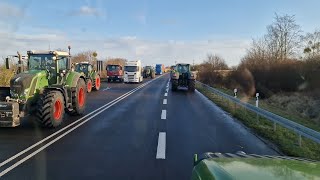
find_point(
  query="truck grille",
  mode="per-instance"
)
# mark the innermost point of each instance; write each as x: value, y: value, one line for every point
x: 130, y: 76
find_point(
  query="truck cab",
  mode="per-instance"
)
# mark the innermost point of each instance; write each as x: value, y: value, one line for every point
x: 133, y: 72
x: 114, y: 72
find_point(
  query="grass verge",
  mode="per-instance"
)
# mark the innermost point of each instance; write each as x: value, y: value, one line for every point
x: 286, y: 140
x: 263, y: 104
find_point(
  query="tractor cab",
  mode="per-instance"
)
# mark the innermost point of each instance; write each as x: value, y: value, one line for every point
x: 55, y: 63
x: 183, y: 68
x: 84, y: 67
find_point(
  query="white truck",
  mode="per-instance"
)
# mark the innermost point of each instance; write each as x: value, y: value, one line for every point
x: 133, y: 72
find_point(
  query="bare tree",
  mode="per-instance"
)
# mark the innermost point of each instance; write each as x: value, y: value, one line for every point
x: 89, y: 56
x: 215, y: 62
x: 283, y: 37
x: 118, y: 61
x: 312, y: 43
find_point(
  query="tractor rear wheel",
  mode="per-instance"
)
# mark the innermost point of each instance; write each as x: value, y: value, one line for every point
x: 192, y: 85
x: 50, y: 109
x: 89, y: 85
x: 174, y: 85
x: 96, y: 83
x: 79, y: 98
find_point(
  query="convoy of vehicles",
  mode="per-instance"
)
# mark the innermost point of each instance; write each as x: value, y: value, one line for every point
x: 133, y: 72
x: 183, y: 77
x: 91, y: 76
x: 251, y: 166
x: 46, y: 90
x: 114, y: 72
x: 148, y: 71
x: 159, y: 69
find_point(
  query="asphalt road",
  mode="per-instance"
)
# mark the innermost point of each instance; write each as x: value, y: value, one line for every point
x: 140, y: 131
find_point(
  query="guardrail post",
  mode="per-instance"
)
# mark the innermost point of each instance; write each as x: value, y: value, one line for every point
x: 257, y: 105
x: 274, y: 126
x: 299, y: 139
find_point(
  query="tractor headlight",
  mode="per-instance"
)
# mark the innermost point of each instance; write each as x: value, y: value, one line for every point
x: 25, y: 92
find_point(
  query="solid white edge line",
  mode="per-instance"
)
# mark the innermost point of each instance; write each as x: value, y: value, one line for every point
x: 161, y: 148
x: 50, y: 136
x: 165, y: 94
x: 164, y: 101
x: 57, y: 138
x: 164, y: 114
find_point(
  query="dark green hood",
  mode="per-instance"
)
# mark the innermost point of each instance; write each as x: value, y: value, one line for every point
x: 22, y: 81
x: 262, y: 168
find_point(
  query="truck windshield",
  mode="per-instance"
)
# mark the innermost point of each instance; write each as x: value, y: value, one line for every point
x: 41, y: 62
x: 131, y: 68
x: 183, y: 68
x: 113, y: 68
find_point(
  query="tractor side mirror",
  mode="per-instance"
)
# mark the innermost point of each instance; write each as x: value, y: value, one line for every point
x: 7, y: 63
x: 68, y: 63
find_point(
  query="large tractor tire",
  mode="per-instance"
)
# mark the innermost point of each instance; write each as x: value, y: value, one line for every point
x: 174, y: 85
x: 96, y: 83
x: 192, y: 85
x: 79, y: 99
x: 50, y: 109
x: 89, y: 85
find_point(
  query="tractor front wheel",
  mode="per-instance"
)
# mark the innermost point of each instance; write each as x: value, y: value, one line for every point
x: 79, y: 98
x: 97, y: 83
x: 50, y: 109
x: 89, y: 85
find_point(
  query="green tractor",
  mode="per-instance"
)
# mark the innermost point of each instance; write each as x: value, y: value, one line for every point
x: 183, y: 77
x: 91, y: 75
x: 149, y: 71
x: 46, y: 91
x: 252, y: 166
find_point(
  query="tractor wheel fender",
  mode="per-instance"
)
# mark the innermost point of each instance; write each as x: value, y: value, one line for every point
x: 63, y: 92
x: 73, y: 78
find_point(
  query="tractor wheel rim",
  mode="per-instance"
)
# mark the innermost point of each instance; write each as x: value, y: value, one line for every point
x: 81, y: 97
x: 57, y: 110
x: 98, y: 82
x: 89, y: 86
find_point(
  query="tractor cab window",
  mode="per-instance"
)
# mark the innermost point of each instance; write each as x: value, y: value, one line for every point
x: 62, y: 63
x: 90, y: 68
x: 41, y: 62
x: 182, y: 68
x: 82, y: 68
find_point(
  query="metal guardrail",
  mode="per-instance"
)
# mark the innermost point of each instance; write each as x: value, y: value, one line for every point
x: 298, y: 128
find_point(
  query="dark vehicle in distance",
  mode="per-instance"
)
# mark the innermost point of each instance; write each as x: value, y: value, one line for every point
x: 148, y: 71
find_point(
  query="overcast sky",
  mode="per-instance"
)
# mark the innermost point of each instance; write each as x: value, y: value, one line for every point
x: 154, y: 31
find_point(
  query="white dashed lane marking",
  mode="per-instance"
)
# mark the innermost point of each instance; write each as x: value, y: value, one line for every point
x: 164, y: 114
x: 164, y: 101
x: 161, y: 149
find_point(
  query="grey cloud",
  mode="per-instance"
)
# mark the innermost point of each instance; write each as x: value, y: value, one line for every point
x: 130, y: 47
